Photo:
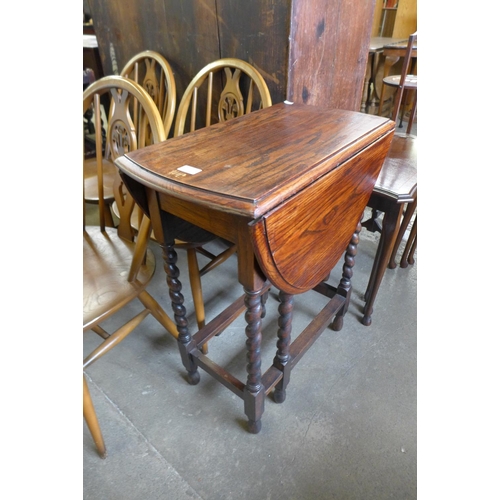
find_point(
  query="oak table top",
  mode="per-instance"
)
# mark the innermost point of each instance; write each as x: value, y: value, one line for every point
x: 288, y: 185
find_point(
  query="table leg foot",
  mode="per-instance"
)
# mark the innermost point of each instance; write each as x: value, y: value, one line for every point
x: 254, y: 427
x: 279, y: 395
x: 193, y: 377
x: 367, y: 318
x: 338, y: 323
x: 345, y: 286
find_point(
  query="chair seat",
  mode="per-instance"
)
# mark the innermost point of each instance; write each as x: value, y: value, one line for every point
x: 393, y: 81
x: 105, y: 280
x: 90, y: 180
x: 194, y: 236
x: 398, y: 178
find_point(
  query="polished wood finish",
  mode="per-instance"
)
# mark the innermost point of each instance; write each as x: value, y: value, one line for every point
x: 311, y: 51
x: 287, y: 185
x: 117, y: 271
x: 395, y: 189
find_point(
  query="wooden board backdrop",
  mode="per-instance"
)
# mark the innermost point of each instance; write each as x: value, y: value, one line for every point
x: 310, y: 51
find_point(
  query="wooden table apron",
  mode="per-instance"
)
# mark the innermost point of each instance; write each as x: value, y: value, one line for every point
x: 287, y: 185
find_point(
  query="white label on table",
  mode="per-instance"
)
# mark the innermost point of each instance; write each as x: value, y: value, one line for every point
x: 187, y: 169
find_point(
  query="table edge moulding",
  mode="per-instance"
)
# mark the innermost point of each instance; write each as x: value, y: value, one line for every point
x: 288, y: 185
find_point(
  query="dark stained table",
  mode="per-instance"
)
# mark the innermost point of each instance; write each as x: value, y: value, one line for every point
x: 288, y: 185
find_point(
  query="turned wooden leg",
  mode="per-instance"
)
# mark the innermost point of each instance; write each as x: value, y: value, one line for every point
x: 390, y: 226
x: 184, y: 340
x: 254, y: 392
x: 91, y: 419
x: 263, y: 300
x: 285, y: 310
x: 345, y: 286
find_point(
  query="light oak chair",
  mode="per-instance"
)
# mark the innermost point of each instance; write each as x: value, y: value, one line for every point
x: 395, y: 194
x: 222, y: 90
x: 117, y: 271
x: 153, y: 72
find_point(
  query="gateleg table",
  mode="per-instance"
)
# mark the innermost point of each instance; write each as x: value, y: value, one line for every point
x: 287, y: 185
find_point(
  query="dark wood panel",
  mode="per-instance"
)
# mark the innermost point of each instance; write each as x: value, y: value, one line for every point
x: 328, y: 52
x: 185, y: 33
x: 257, y: 31
x: 309, y: 51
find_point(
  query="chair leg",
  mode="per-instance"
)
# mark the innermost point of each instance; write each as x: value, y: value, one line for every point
x: 91, y: 419
x: 381, y: 100
x: 410, y: 210
x: 196, y: 290
x: 404, y: 103
x: 412, y: 114
x: 108, y: 216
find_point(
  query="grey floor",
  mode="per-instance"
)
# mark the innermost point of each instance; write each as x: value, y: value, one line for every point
x: 347, y: 430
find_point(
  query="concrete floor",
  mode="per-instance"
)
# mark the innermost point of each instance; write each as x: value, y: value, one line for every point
x: 347, y: 430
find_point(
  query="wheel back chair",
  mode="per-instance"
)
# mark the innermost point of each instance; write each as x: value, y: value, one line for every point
x: 153, y: 72
x: 116, y: 270
x: 395, y: 193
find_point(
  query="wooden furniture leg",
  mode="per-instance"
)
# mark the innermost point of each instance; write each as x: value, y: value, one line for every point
x: 410, y: 210
x: 412, y: 114
x: 390, y: 227
x: 345, y: 287
x: 195, y: 280
x: 254, y: 391
x: 282, y: 357
x: 91, y: 419
x: 184, y: 341
x: 411, y: 246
